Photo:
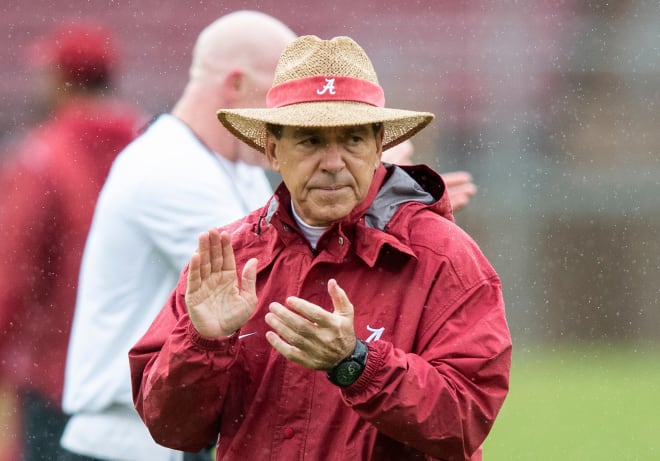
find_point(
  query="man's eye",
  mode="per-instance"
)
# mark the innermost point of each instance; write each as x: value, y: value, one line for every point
x: 313, y: 141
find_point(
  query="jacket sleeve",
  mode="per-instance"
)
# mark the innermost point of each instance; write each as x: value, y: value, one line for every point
x: 180, y: 379
x: 442, y: 399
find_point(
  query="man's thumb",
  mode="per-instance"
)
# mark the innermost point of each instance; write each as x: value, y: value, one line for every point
x: 340, y: 301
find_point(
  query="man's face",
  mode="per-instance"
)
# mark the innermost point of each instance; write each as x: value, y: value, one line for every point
x: 327, y: 170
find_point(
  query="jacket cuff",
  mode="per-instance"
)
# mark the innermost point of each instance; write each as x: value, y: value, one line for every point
x: 374, y: 363
x: 223, y: 345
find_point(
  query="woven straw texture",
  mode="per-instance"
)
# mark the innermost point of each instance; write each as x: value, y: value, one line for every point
x: 310, y: 56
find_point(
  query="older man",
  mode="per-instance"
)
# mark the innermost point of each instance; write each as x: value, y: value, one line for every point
x: 349, y: 318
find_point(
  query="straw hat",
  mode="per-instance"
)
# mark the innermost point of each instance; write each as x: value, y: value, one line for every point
x: 323, y: 83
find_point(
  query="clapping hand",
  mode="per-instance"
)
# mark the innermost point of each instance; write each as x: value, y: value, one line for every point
x: 310, y: 335
x: 217, y: 304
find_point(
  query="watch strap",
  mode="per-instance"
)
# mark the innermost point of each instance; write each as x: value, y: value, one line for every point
x: 358, y: 359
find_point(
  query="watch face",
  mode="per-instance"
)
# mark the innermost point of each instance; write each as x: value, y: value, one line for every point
x: 348, y: 373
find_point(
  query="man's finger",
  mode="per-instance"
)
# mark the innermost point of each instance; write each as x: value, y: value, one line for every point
x: 287, y: 350
x: 309, y: 311
x: 460, y: 196
x: 228, y: 261
x: 215, y: 251
x: 203, y: 250
x: 194, y: 280
x: 294, y: 318
x: 283, y: 326
x: 249, y: 278
x: 339, y: 298
x: 456, y: 178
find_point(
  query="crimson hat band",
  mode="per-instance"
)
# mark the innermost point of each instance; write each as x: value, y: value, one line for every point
x: 325, y: 88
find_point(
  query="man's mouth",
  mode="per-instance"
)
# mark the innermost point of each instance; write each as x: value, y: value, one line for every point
x: 332, y: 187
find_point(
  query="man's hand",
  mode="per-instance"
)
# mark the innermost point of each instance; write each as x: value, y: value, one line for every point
x: 217, y: 305
x: 308, y: 334
x: 460, y: 188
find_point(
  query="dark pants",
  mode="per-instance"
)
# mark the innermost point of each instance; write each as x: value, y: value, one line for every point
x: 43, y: 425
x: 68, y: 456
x: 204, y: 455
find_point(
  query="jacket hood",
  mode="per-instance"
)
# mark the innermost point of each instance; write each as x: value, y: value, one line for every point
x: 404, y: 184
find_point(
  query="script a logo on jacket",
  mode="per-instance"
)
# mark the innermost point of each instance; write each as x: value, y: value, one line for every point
x: 375, y: 335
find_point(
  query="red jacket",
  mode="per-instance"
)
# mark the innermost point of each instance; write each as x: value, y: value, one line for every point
x: 48, y: 191
x: 426, y: 301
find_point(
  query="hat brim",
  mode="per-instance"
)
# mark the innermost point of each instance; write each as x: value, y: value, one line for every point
x: 249, y: 125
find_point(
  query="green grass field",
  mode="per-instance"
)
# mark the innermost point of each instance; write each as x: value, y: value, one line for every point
x: 580, y: 403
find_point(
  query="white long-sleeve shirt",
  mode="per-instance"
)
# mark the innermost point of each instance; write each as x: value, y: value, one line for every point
x: 163, y: 190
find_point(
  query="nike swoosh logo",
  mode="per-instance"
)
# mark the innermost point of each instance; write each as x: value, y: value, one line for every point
x: 246, y: 335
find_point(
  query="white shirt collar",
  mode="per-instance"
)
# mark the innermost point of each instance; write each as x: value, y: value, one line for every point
x: 311, y: 233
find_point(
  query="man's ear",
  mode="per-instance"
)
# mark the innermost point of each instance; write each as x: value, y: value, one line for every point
x: 379, y: 143
x: 233, y: 85
x: 271, y: 151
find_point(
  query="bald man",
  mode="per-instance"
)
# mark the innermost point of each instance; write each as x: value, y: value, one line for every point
x: 182, y: 176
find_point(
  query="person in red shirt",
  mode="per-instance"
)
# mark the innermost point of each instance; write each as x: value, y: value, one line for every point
x: 349, y: 317
x: 49, y: 185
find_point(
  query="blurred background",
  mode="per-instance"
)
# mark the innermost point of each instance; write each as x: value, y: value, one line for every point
x: 551, y: 105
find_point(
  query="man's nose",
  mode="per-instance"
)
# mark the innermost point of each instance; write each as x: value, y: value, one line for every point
x: 332, y: 159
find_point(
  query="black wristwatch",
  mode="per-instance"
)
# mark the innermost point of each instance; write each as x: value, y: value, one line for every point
x: 349, y: 370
